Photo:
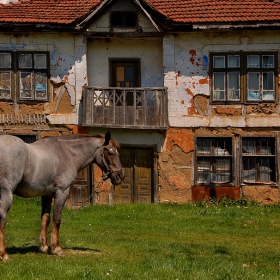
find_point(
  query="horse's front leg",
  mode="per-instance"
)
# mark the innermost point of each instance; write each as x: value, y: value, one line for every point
x: 45, y: 220
x: 59, y: 201
x: 6, y: 200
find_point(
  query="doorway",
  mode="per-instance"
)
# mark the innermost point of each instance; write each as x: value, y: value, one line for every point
x: 138, y: 186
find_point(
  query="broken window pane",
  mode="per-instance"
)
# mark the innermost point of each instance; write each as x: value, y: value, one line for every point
x: 40, y: 86
x: 253, y: 86
x: 5, y: 84
x: 25, y: 85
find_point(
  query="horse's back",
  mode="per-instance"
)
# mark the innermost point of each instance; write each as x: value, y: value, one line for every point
x: 13, y: 153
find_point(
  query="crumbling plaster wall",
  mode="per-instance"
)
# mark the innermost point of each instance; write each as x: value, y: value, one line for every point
x: 186, y: 74
x: 67, y: 74
x: 176, y: 164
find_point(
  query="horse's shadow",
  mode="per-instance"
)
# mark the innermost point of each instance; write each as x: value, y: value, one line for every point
x: 35, y: 249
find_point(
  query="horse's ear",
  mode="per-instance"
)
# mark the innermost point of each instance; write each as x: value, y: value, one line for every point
x: 107, y: 138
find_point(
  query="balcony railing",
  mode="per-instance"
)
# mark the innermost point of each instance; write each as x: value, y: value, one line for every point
x: 143, y: 108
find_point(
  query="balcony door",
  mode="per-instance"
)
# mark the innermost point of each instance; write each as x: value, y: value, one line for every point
x: 125, y: 73
x: 138, y: 183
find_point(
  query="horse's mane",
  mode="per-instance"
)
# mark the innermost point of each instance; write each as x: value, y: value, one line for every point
x: 80, y: 136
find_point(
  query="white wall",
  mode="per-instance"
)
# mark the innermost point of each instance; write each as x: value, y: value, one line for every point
x: 186, y: 73
x: 148, y: 50
x: 67, y: 63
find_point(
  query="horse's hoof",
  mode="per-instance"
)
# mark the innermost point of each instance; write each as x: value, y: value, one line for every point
x: 4, y: 258
x: 44, y: 249
x: 58, y: 252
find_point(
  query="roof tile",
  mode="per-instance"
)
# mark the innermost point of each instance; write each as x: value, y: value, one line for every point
x: 179, y: 11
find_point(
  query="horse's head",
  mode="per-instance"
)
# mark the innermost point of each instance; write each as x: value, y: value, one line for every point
x: 110, y: 161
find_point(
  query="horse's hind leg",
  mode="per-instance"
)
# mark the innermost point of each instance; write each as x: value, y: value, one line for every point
x: 45, y: 220
x: 6, y: 199
x: 59, y: 201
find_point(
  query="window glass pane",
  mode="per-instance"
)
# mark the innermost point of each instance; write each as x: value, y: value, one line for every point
x: 25, y: 61
x: 40, y: 61
x: 253, y: 61
x: 268, y: 81
x: 219, y: 86
x: 253, y: 86
x: 129, y: 73
x: 222, y: 172
x: 248, y: 146
x: 204, y: 146
x: 265, y: 171
x: 203, y: 171
x: 268, y: 86
x: 249, y: 170
x: 41, y: 86
x: 234, y: 85
x: 5, y: 60
x: 25, y: 85
x: 5, y: 84
x: 219, y: 62
x: 268, y: 61
x: 233, y: 61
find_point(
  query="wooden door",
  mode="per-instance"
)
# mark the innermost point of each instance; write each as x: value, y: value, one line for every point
x: 81, y: 190
x: 138, y: 183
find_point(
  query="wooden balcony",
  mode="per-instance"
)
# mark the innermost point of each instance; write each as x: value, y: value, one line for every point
x: 139, y: 108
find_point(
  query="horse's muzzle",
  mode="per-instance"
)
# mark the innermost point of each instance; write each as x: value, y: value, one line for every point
x: 117, y: 177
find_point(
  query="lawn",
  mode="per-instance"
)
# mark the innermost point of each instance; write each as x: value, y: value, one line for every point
x: 156, y: 241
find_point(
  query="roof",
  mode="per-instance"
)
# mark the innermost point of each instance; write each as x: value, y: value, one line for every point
x: 213, y: 11
x: 67, y: 12
x: 46, y: 11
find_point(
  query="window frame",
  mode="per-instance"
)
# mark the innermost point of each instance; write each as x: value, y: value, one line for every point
x: 33, y: 71
x: 16, y: 71
x: 244, y: 70
x: 123, y: 19
x: 258, y: 157
x: 213, y: 159
x: 12, y: 77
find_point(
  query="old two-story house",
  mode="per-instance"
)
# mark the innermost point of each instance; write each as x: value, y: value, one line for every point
x: 188, y: 88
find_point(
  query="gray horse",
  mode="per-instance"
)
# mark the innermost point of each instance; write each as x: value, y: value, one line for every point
x: 47, y: 168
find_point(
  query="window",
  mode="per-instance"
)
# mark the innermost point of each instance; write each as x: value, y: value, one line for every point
x: 32, y: 76
x: 214, y: 160
x: 125, y: 73
x: 29, y: 70
x: 226, y: 77
x: 124, y: 19
x: 5, y: 76
x: 243, y: 77
x: 258, y: 160
x: 260, y: 77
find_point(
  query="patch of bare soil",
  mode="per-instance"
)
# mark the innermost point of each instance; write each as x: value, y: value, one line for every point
x: 81, y: 252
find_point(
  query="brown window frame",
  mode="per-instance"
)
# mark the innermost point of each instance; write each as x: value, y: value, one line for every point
x: 17, y: 71
x: 258, y: 158
x: 243, y: 82
x: 214, y: 160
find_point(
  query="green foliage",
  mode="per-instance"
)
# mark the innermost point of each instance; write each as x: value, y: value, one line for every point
x: 208, y: 240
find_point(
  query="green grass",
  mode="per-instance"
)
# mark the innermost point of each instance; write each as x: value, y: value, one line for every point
x: 168, y: 241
